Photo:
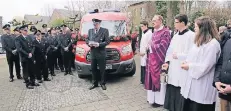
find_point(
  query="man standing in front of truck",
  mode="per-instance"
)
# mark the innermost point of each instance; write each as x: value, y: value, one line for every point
x: 98, y: 39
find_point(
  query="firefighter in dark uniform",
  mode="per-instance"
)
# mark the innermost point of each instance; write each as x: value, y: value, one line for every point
x: 24, y: 45
x: 40, y: 47
x: 51, y: 50
x: 58, y: 52
x: 66, y: 49
x: 8, y: 43
x: 100, y: 38
x: 74, y: 38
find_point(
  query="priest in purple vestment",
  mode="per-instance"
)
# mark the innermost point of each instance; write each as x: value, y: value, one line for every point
x: 156, y: 55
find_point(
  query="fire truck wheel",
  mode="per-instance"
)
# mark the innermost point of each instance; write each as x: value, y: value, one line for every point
x: 133, y: 71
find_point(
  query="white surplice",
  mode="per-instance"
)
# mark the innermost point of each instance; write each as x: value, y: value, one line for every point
x: 146, y: 37
x: 199, y: 78
x: 180, y: 44
x: 158, y: 96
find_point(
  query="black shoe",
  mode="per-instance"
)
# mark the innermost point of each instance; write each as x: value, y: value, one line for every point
x: 35, y: 84
x: 156, y: 105
x: 73, y: 69
x: 53, y: 74
x: 93, y: 86
x: 65, y: 73
x: 71, y: 73
x: 28, y: 86
x: 57, y: 68
x: 11, y: 80
x: 103, y: 87
x: 19, y: 77
x: 40, y: 81
x: 47, y: 79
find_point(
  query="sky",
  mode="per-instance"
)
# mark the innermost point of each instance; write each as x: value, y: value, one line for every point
x: 11, y: 8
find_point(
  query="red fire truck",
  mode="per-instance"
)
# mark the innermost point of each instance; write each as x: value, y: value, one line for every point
x: 119, y: 57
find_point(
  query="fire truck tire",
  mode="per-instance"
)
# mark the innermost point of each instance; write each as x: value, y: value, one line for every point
x: 133, y: 70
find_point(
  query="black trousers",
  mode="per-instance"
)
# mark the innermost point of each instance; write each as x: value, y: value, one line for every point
x: 67, y: 58
x: 28, y: 71
x: 59, y: 57
x: 133, y: 46
x: 98, y: 74
x: 51, y: 60
x: 73, y: 60
x: 142, y: 76
x: 13, y: 60
x: 41, y: 69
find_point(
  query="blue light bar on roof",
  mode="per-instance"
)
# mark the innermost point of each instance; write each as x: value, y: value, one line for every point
x: 105, y: 10
x: 94, y: 11
x: 111, y: 10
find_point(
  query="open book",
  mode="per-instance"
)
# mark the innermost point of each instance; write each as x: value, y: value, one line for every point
x: 93, y: 43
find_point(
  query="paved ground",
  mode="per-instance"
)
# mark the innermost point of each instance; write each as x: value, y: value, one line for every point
x: 69, y: 93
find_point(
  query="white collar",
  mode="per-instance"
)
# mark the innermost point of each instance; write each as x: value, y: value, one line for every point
x: 38, y: 40
x: 155, y: 30
x: 24, y: 36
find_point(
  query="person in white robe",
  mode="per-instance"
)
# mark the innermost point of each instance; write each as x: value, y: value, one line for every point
x: 179, y: 47
x: 146, y: 37
x: 197, y: 90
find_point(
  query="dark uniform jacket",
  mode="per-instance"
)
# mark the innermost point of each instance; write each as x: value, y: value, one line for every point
x: 102, y: 37
x: 24, y: 46
x: 223, y: 68
x: 40, y: 50
x: 73, y: 44
x: 8, y: 43
x: 52, y: 43
x: 65, y: 41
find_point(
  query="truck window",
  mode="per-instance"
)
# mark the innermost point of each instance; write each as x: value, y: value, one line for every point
x: 115, y: 28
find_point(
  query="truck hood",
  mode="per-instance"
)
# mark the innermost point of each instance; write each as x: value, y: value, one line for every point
x: 116, y: 45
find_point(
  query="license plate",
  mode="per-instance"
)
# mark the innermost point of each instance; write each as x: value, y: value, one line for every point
x: 108, y: 66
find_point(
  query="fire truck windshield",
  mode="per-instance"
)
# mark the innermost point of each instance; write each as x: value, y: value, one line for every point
x: 115, y: 28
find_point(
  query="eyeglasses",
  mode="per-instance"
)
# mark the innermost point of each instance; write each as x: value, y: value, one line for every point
x: 25, y: 30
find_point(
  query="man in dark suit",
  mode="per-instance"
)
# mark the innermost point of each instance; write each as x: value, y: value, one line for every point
x: 66, y: 49
x: 222, y: 77
x: 51, y: 50
x: 24, y: 45
x: 58, y: 52
x: 8, y: 43
x: 40, y: 47
x: 74, y: 37
x: 98, y: 39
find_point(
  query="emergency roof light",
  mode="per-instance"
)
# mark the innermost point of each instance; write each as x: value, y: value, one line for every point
x: 106, y: 10
x: 111, y: 10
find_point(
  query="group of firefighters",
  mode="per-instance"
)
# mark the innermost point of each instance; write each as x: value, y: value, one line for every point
x: 39, y: 51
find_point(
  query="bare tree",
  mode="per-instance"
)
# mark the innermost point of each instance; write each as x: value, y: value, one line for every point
x: 48, y: 10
